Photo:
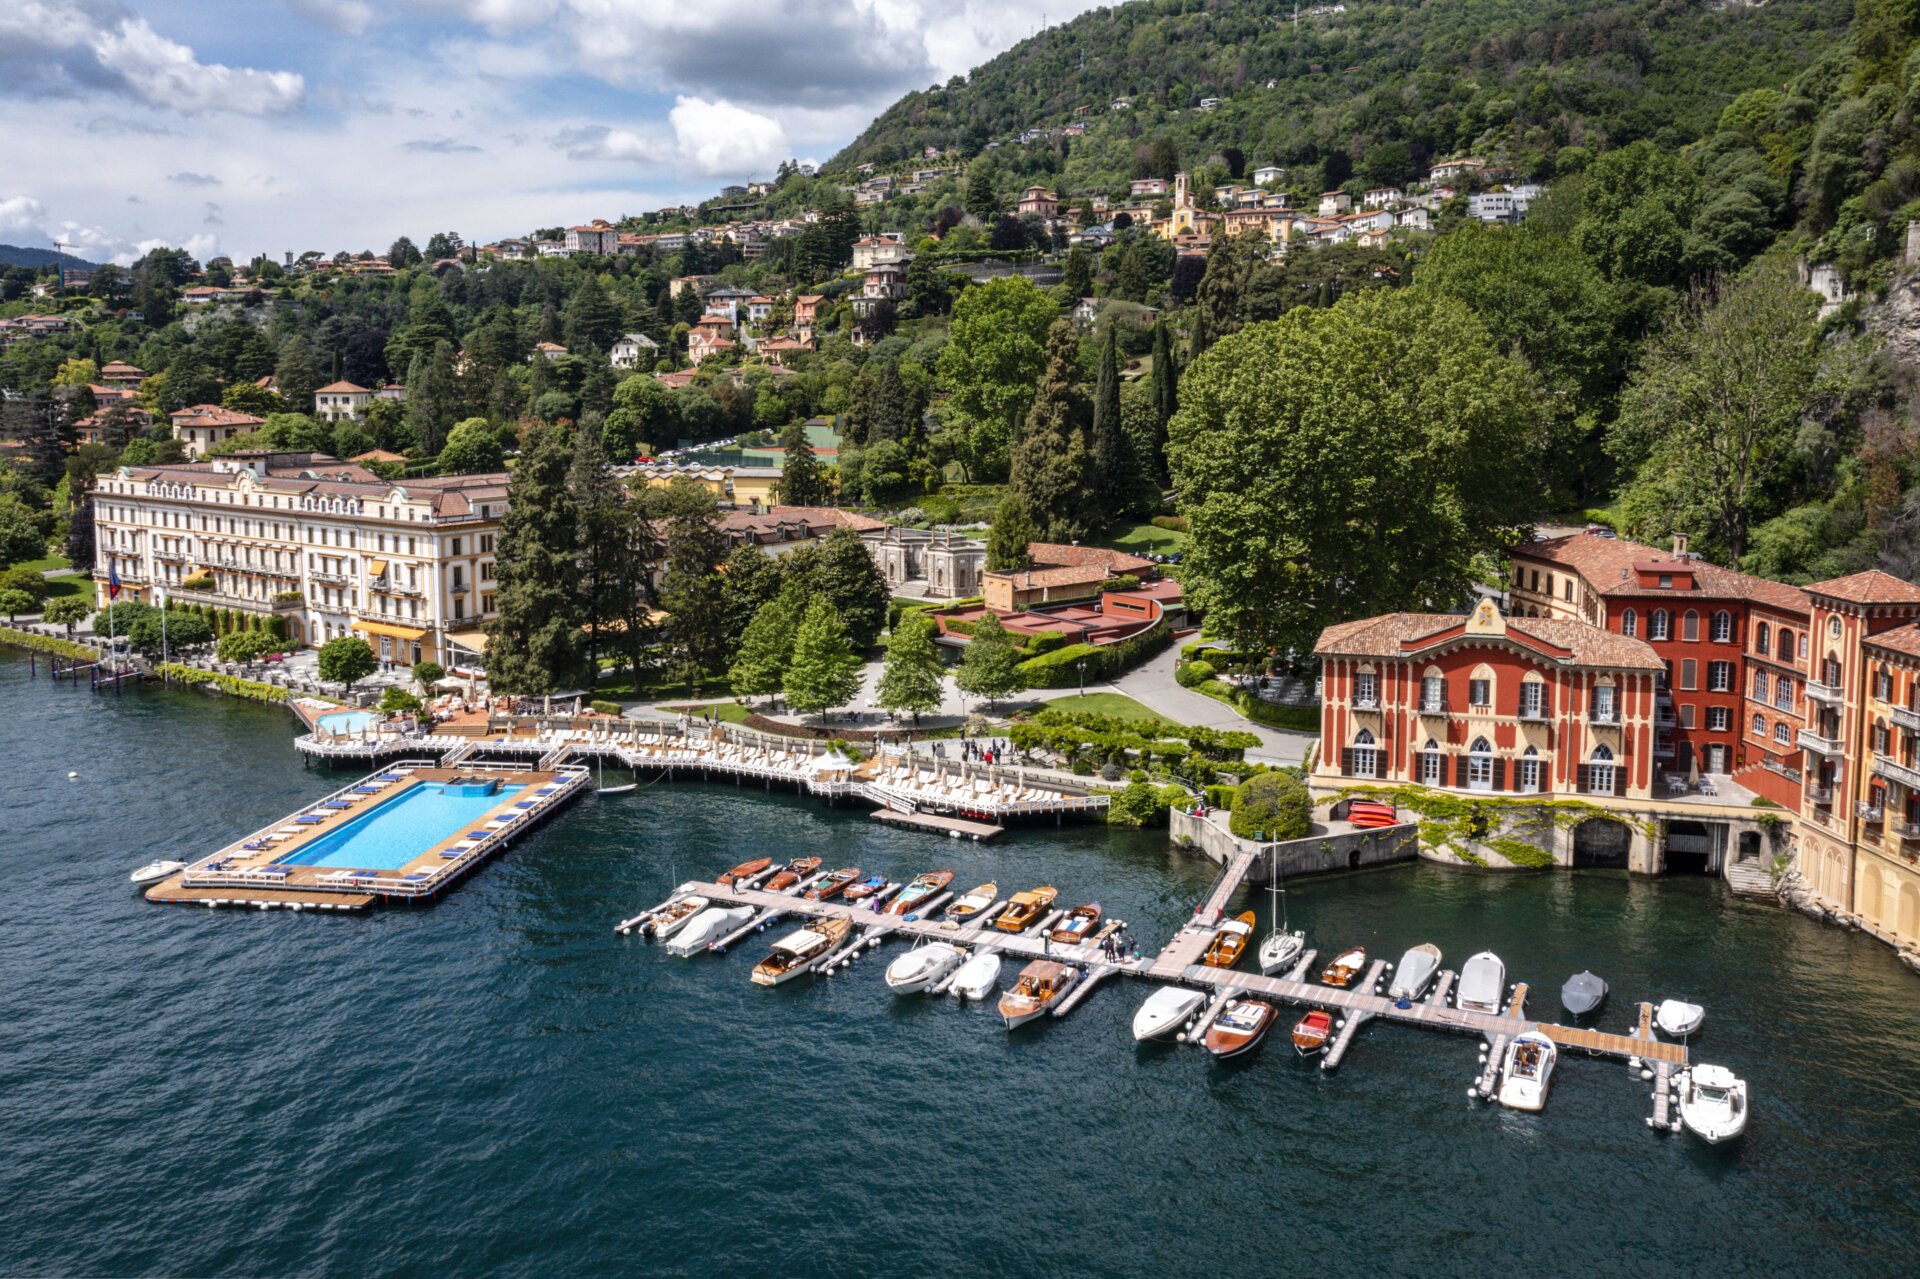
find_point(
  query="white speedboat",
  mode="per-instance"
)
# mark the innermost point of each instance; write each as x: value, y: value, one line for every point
x: 922, y: 966
x: 1166, y: 1010
x: 1677, y: 1017
x: 1415, y: 972
x: 710, y: 925
x: 976, y: 978
x: 1280, y: 951
x: 1528, y: 1067
x: 1483, y: 984
x: 155, y: 871
x: 1713, y: 1103
x: 670, y: 918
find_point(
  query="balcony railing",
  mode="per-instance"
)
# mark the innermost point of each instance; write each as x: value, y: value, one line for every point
x: 1872, y: 814
x: 172, y: 555
x: 1366, y: 701
x: 1906, y: 717
x: 1813, y: 741
x: 1829, y: 693
x: 1433, y: 706
x: 1663, y: 750
x: 1820, y: 794
x: 1665, y: 718
x: 1533, y: 712
x: 1907, y: 828
x: 1604, y: 715
x: 331, y: 579
x: 1894, y: 771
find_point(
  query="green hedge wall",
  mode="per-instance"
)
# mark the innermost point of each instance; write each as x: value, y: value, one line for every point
x: 1104, y: 661
x: 231, y: 684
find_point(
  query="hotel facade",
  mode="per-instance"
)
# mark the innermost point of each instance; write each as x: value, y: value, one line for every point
x: 326, y: 546
x: 1724, y: 719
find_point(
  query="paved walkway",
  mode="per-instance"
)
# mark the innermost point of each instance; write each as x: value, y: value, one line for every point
x: 1152, y: 685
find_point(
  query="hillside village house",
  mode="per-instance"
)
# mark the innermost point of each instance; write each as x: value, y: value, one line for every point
x: 341, y: 402
x: 1268, y: 173
x: 1147, y: 187
x: 633, y: 350
x: 878, y: 250
x: 325, y: 545
x: 1335, y: 203
x: 546, y: 351
x: 595, y: 237
x: 204, y: 425
x: 759, y: 309
x: 1040, y: 202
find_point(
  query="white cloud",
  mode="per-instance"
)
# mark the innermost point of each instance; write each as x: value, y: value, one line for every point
x: 21, y: 215
x: 166, y: 74
x: 190, y: 179
x: 347, y: 17
x: 719, y: 139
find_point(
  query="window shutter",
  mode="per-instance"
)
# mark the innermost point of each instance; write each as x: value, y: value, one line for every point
x: 1619, y: 779
x: 1580, y: 779
x: 1460, y: 770
x: 1346, y: 762
x: 1499, y: 774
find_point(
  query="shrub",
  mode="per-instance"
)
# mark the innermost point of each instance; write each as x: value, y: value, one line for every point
x: 1193, y: 674
x: 604, y: 708
x: 46, y: 644
x: 1143, y: 804
x: 427, y: 674
x: 1221, y: 797
x: 230, y: 684
x: 1104, y: 661
x: 1046, y: 642
x: 1272, y: 806
x: 1172, y: 523
x: 398, y: 700
x: 1124, y: 582
x: 30, y: 581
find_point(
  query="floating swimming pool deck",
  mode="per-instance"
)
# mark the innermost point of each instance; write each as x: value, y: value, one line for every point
x: 405, y: 833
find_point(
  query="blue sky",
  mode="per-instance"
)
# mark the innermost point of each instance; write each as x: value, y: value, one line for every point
x: 245, y: 126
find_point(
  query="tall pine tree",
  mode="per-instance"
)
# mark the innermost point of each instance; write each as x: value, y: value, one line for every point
x: 1051, y: 460
x: 536, y: 645
x: 802, y: 482
x: 692, y: 590
x: 1116, y: 471
x: 600, y: 504
x: 1166, y: 401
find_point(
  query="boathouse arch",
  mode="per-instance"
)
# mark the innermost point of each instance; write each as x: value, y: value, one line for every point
x: 1601, y: 843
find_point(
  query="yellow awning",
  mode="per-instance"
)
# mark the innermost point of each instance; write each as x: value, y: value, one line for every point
x: 377, y: 568
x: 391, y: 632
x: 472, y: 641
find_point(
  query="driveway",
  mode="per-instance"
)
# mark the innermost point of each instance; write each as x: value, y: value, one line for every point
x: 1152, y: 685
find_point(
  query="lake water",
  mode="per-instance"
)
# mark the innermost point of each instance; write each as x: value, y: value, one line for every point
x: 501, y: 1085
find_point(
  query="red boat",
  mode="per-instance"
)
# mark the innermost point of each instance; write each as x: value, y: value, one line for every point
x: 834, y: 884
x: 745, y: 870
x: 1310, y: 1033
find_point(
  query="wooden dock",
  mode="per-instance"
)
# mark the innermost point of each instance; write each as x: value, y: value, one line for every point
x: 940, y: 823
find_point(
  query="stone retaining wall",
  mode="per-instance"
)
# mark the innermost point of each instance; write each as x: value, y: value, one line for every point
x: 1323, y: 851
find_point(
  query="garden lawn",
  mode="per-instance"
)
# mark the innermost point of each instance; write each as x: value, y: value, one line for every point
x: 1119, y: 706
x: 1146, y: 539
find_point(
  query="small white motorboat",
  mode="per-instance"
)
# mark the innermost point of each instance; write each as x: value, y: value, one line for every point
x: 155, y: 871
x: 1483, y: 984
x: 710, y: 925
x: 1678, y: 1018
x: 1713, y: 1103
x: 922, y: 966
x: 976, y: 978
x: 1528, y: 1067
x: 1166, y: 1010
x: 670, y: 918
x: 1415, y: 972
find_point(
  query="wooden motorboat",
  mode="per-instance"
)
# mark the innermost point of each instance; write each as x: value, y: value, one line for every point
x: 923, y: 889
x: 800, y: 950
x: 1415, y: 972
x: 792, y: 873
x: 922, y: 966
x: 1229, y: 942
x: 1042, y: 985
x: 865, y: 888
x: 1713, y: 1103
x: 745, y: 870
x: 709, y: 926
x: 1076, y: 925
x: 155, y: 871
x: 1345, y: 967
x: 970, y: 903
x: 1165, y: 1010
x: 671, y: 916
x: 1311, y: 1033
x: 1240, y: 1027
x: 1526, y: 1071
x: 834, y: 884
x: 975, y: 978
x: 1483, y: 984
x: 1026, y: 909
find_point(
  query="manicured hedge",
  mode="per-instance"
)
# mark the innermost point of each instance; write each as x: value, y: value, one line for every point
x: 230, y: 684
x: 1104, y: 661
x: 606, y: 708
x: 45, y: 643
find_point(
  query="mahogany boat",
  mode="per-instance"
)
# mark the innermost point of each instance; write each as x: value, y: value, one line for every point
x: 745, y: 870
x: 798, y: 951
x: 1230, y: 942
x: 1345, y: 967
x: 970, y: 903
x: 1311, y: 1033
x: 865, y: 888
x: 1076, y: 926
x: 790, y: 874
x: 924, y: 888
x: 1042, y: 984
x: 1025, y: 909
x: 834, y: 884
x: 1240, y: 1027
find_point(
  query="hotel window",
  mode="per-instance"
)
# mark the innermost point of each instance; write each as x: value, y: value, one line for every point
x: 1430, y: 763
x: 1600, y: 771
x: 1364, y: 691
x: 1533, y: 699
x: 1883, y: 686
x: 1720, y: 676
x: 1719, y: 719
x: 1803, y: 647
x: 1603, y: 704
x: 1536, y: 580
x: 1690, y: 626
x: 1657, y: 624
x: 1480, y: 692
x: 1723, y: 627
x: 1781, y: 732
x: 1528, y: 778
x: 1689, y: 674
x: 1480, y: 765
x: 486, y: 543
x: 1433, y: 694
x: 1666, y: 581
x: 1783, y: 694
x: 1629, y: 623
x: 1569, y: 590
x: 1686, y: 715
x: 1759, y: 686
x: 1880, y: 739
x: 1366, y: 760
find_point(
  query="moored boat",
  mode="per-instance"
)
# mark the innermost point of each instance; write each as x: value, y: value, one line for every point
x: 791, y: 874
x: 1076, y: 925
x: 745, y: 870
x: 1240, y: 1027
x: 1415, y: 972
x: 865, y: 888
x: 1280, y: 951
x: 1583, y: 993
x: 1483, y: 984
x: 1527, y: 1069
x: 1678, y: 1018
x: 969, y: 904
x: 834, y: 884
x: 155, y: 871
x: 800, y: 950
x: 1042, y: 984
x: 1311, y: 1033
x: 1345, y: 967
x: 1229, y: 941
x: 1026, y: 909
x: 1713, y: 1103
x: 923, y: 889
x: 670, y: 917
x: 975, y: 978
x: 922, y: 966
x: 709, y: 926
x: 1166, y: 1009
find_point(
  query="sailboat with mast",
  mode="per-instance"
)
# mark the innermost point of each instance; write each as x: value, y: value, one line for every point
x: 604, y: 789
x: 1281, y: 948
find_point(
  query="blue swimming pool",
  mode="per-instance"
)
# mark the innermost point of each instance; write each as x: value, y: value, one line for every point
x: 348, y: 721
x: 399, y: 829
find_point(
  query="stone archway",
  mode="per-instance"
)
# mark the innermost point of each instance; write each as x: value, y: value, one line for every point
x: 1689, y: 848
x: 1601, y: 843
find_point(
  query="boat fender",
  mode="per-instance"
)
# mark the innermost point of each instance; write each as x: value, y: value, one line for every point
x: 1473, y: 1094
x: 1181, y: 1037
x: 1646, y: 1074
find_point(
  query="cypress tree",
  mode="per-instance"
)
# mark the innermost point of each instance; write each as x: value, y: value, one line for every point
x: 1009, y: 534
x: 802, y: 483
x: 824, y: 672
x: 1166, y: 400
x: 1115, y: 469
x: 1051, y: 460
x: 536, y: 646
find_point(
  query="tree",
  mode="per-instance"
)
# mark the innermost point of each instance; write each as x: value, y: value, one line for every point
x: 692, y: 589
x: 1009, y: 535
x: 1345, y: 462
x: 912, y: 677
x: 990, y: 665
x: 535, y: 646
x: 245, y: 647
x: 402, y: 254
x: 750, y: 580
x: 980, y: 199
x: 297, y: 374
x: 603, y: 509
x: 30, y: 580
x: 398, y: 701
x: 593, y: 319
x: 1076, y: 280
x: 1272, y: 806
x: 802, y: 482
x: 1636, y: 204
x: 428, y: 674
x: 766, y: 647
x: 840, y: 568
x: 1708, y: 422
x: 1116, y: 469
x: 13, y: 602
x: 20, y: 536
x: 1051, y: 460
x: 1166, y: 400
x: 825, y: 672
x: 472, y: 446
x: 1218, y: 302
x: 347, y: 659
x: 66, y: 611
x: 432, y: 396
x: 643, y: 411
x: 995, y: 352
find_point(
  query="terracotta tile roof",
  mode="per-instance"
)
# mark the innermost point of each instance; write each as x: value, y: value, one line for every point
x: 212, y: 415
x: 820, y: 520
x: 1870, y: 587
x: 1903, y: 639
x: 1058, y: 555
x: 1609, y: 563
x: 342, y: 388
x: 1066, y: 575
x: 1398, y: 634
